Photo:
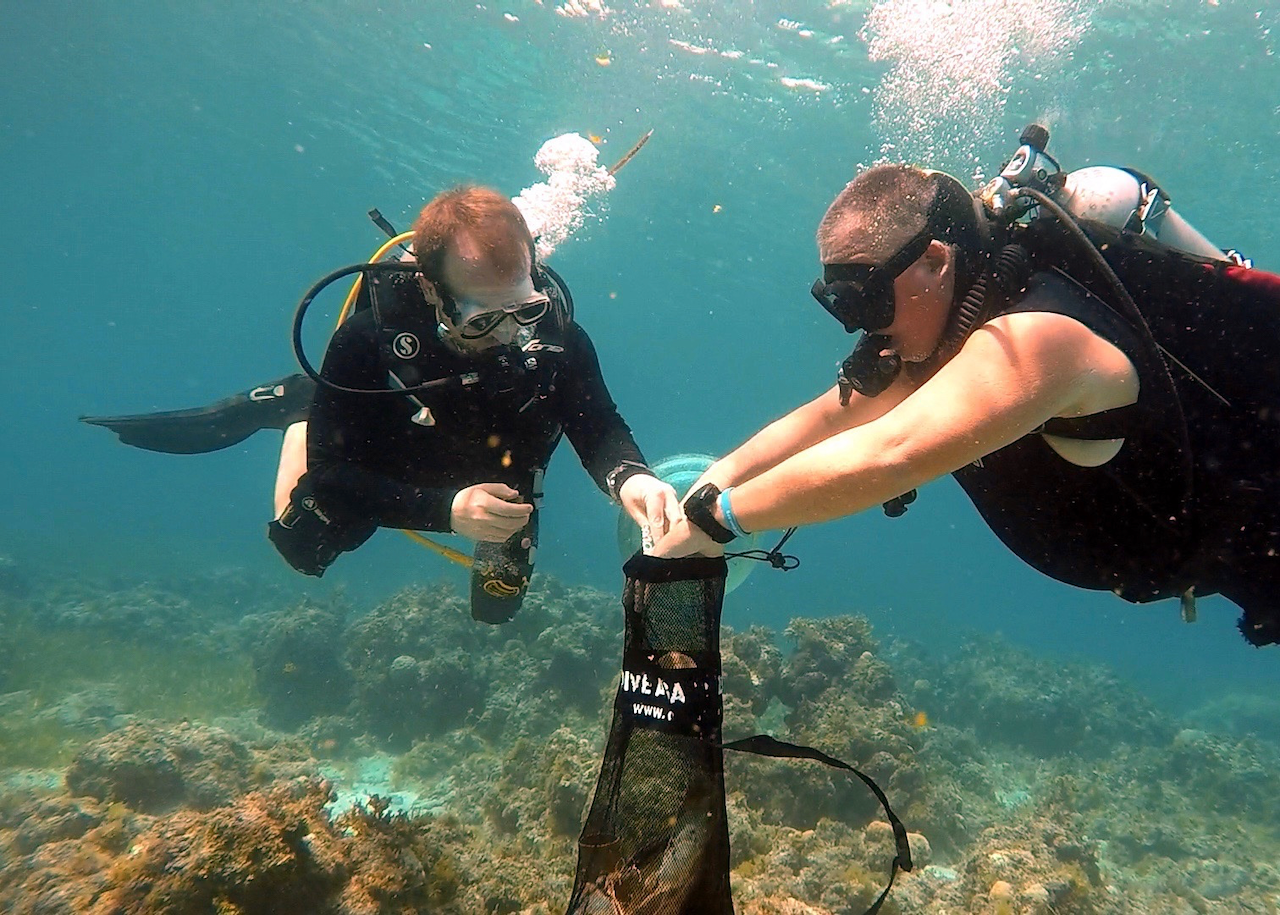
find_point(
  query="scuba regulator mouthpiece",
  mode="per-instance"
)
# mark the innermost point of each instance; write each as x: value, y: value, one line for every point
x: 869, y: 369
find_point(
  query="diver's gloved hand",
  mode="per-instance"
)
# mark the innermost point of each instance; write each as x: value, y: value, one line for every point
x: 489, y: 512
x: 309, y: 538
x: 651, y: 503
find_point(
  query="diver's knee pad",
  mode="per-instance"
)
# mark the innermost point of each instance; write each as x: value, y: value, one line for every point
x: 309, y: 538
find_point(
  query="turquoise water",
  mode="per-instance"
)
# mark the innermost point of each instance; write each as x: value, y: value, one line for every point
x: 178, y: 174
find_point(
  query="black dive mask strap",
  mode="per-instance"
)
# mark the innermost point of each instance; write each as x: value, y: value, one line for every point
x: 861, y: 296
x: 764, y: 745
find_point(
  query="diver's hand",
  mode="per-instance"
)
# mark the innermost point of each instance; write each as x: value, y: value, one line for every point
x: 489, y: 511
x: 686, y: 540
x: 719, y: 474
x: 651, y: 503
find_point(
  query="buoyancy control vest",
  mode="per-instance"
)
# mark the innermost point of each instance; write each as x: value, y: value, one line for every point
x: 1179, y: 513
x: 1217, y: 327
x: 1120, y: 526
x: 501, y: 399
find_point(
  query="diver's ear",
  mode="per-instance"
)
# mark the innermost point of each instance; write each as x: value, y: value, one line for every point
x: 430, y: 292
x: 940, y: 258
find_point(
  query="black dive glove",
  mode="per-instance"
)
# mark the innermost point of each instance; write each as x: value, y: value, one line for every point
x: 309, y: 538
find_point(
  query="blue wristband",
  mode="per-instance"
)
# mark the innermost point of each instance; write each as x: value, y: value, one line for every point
x: 730, y: 519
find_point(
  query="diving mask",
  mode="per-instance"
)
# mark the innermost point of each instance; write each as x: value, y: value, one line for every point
x: 482, y: 321
x: 860, y: 296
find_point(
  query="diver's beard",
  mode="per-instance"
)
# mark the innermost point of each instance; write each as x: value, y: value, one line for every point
x: 895, y: 346
x: 489, y: 343
x: 917, y: 358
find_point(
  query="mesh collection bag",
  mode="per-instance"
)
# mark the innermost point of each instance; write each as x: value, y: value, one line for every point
x: 656, y: 839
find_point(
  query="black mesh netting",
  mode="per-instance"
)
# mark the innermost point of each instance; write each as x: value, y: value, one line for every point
x: 656, y: 841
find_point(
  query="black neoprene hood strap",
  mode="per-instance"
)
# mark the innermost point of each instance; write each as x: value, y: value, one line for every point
x: 900, y: 260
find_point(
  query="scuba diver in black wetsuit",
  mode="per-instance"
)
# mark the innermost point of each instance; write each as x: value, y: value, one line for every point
x: 1113, y: 445
x: 440, y: 402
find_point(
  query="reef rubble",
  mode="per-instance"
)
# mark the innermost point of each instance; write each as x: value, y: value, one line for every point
x: 408, y: 759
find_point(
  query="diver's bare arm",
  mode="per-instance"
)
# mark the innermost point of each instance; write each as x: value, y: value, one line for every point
x: 1011, y: 376
x: 803, y: 427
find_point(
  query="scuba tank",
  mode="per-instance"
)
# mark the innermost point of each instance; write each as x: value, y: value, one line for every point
x: 1122, y: 198
x: 1132, y: 202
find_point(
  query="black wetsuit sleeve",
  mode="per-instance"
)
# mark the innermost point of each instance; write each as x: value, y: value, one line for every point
x: 591, y: 419
x: 347, y: 442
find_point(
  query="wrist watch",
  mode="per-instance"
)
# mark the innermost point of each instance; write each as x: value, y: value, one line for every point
x: 698, y: 508
x: 620, y: 474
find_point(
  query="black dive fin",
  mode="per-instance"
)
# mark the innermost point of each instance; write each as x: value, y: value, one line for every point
x: 275, y: 405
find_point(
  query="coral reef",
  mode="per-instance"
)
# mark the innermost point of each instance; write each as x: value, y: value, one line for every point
x: 1014, y: 699
x: 849, y: 711
x: 154, y: 769
x: 1239, y: 715
x: 422, y: 666
x: 273, y: 850
x: 409, y: 759
x: 201, y: 610
x: 297, y: 663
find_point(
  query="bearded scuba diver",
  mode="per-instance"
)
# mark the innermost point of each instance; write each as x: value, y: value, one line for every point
x: 277, y: 404
x: 1185, y: 498
x: 447, y: 385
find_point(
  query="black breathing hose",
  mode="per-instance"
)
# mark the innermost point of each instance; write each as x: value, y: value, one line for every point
x: 1130, y: 312
x: 300, y: 316
x: 1012, y: 267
